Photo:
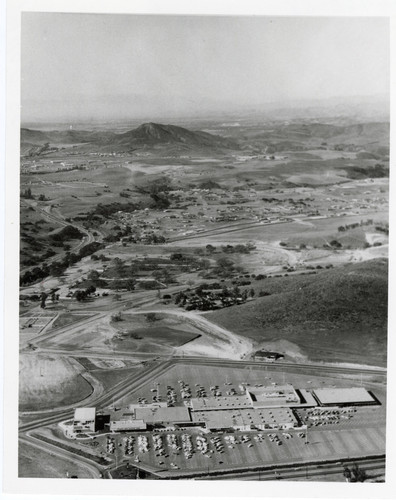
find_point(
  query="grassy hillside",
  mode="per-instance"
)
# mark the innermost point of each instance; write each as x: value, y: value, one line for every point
x: 337, y: 315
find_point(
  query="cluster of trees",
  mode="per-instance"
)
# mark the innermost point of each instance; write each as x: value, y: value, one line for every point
x: 81, y: 295
x: 65, y: 234
x: 225, y: 268
x: 158, y: 192
x: 133, y: 235
x: 58, y: 268
x: 374, y: 172
x: 27, y: 194
x: 383, y: 229
x: 333, y: 244
x: 153, y: 239
x: 206, y: 299
x: 100, y: 257
x: 117, y: 317
x: 111, y: 208
x: 355, y: 474
x: 354, y: 225
x: 238, y: 248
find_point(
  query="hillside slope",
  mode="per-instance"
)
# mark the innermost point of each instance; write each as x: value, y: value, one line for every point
x: 337, y: 315
x: 146, y: 135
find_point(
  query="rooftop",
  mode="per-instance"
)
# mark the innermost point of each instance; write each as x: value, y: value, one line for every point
x: 243, y: 417
x: 174, y: 414
x: 84, y: 414
x: 221, y: 402
x: 344, y: 395
x: 279, y: 394
x: 120, y: 425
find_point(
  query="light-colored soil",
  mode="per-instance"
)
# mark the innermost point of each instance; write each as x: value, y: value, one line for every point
x: 215, y: 341
x: 48, y: 381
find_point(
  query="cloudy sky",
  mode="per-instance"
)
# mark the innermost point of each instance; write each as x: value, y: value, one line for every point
x: 100, y: 66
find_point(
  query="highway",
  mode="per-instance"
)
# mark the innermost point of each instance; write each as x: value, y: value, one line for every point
x: 123, y: 388
x: 305, y: 472
x: 155, y: 370
x: 52, y: 450
x: 159, y: 366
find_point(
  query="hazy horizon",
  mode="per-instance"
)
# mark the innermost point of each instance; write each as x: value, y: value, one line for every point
x: 82, y: 67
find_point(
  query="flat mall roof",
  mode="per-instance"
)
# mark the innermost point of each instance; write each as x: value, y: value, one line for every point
x: 344, y: 395
x: 84, y: 414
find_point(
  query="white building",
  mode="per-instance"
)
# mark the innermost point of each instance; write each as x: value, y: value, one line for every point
x: 84, y: 420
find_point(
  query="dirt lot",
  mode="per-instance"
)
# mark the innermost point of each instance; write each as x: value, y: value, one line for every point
x: 137, y: 333
x: 48, y: 381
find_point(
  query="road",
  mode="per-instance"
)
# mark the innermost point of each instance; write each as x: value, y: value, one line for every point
x: 159, y: 366
x: 305, y: 472
x: 132, y: 383
x: 155, y: 370
x: 232, y: 228
x: 91, y: 470
x: 88, y: 238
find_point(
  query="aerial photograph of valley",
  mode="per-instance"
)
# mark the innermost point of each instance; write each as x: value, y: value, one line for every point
x: 203, y: 247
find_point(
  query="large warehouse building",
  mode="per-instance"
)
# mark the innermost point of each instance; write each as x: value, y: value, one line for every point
x: 258, y: 408
x: 344, y: 397
x: 246, y: 419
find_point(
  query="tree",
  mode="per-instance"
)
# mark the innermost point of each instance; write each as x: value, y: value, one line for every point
x: 117, y: 317
x: 130, y: 284
x: 151, y: 317
x: 252, y: 293
x: 80, y: 295
x: 359, y: 475
x: 210, y: 249
x: 27, y: 194
x: 119, y: 266
x: 347, y: 474
x: 93, y: 275
x: 43, y: 298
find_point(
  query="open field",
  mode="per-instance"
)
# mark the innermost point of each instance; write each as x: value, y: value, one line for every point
x: 140, y: 333
x: 47, y: 381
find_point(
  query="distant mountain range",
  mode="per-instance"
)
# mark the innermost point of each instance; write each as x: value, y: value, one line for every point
x: 148, y: 134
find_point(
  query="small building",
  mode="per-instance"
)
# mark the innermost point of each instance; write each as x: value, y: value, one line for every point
x: 84, y: 420
x: 344, y: 396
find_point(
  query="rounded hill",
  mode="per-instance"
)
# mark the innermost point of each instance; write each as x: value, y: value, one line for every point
x: 338, y: 314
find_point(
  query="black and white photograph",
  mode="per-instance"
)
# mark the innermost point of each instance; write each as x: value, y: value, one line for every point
x: 203, y: 248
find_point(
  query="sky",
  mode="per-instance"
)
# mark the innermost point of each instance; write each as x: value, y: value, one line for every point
x: 110, y: 67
